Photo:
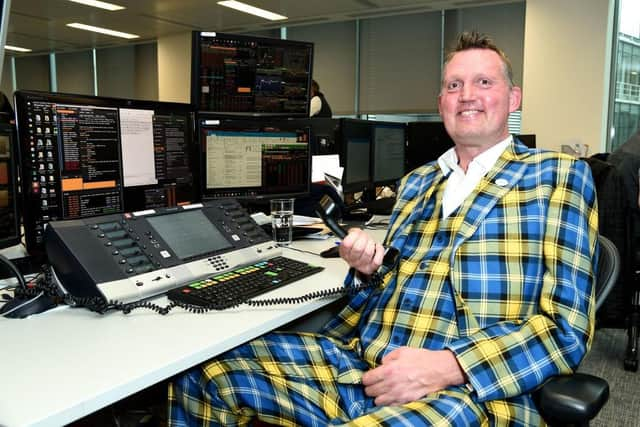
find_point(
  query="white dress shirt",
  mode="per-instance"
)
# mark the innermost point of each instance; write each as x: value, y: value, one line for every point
x: 460, y: 185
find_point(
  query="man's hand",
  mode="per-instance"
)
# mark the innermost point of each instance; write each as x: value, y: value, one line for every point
x: 361, y: 252
x: 408, y: 374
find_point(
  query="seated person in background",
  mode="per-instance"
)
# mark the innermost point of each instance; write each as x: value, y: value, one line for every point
x: 319, y: 106
x: 493, y: 293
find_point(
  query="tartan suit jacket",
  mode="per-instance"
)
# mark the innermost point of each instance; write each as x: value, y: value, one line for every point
x: 521, y: 271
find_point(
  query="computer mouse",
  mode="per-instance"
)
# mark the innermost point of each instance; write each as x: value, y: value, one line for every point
x: 332, y: 252
x: 19, y: 308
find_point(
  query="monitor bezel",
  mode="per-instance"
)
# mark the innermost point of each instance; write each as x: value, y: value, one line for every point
x: 195, y: 69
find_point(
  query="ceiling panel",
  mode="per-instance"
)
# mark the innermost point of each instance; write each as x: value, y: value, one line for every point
x: 40, y: 25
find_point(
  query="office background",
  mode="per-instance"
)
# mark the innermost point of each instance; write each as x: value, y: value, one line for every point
x: 382, y: 63
x: 386, y: 64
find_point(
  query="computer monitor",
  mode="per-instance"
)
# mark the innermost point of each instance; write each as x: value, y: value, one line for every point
x: 527, y: 139
x: 9, y: 219
x: 355, y: 154
x: 246, y: 75
x: 426, y: 141
x: 388, y: 152
x: 85, y: 156
x: 253, y: 159
x: 324, y: 135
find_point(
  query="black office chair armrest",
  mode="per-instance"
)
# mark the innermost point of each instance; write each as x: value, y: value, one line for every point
x: 571, y: 399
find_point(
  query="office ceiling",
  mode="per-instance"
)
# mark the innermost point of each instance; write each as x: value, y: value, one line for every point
x: 40, y: 25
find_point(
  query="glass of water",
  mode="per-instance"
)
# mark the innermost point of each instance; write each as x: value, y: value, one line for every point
x: 282, y: 221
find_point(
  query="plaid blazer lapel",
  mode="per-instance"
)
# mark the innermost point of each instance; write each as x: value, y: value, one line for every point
x: 507, y: 171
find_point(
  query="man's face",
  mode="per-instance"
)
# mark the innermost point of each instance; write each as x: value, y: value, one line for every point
x: 475, y: 100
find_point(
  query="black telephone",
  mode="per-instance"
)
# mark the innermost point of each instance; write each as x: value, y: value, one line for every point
x: 325, y: 209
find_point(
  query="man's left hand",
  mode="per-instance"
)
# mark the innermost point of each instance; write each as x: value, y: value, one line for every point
x: 408, y: 374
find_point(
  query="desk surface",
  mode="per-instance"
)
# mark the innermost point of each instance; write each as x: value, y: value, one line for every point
x: 64, y: 364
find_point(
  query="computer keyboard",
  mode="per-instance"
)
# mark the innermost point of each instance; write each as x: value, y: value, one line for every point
x: 237, y: 286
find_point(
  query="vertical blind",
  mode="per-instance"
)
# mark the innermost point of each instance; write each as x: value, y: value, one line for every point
x: 74, y: 72
x: 32, y: 72
x: 400, y: 63
x: 334, y: 47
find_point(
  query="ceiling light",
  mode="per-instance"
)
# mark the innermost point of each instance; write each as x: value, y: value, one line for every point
x: 242, y: 7
x: 103, y: 31
x: 99, y: 4
x: 17, y: 49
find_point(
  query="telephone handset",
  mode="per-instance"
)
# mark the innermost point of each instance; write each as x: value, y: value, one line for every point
x: 325, y: 209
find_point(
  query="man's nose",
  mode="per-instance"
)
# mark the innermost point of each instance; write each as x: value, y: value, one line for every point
x: 467, y: 92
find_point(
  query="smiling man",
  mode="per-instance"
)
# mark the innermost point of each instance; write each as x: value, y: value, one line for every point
x: 493, y: 293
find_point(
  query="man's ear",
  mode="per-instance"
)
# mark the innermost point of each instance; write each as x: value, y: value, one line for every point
x: 515, y: 98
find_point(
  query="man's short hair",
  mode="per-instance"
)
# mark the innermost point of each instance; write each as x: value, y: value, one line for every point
x: 474, y: 40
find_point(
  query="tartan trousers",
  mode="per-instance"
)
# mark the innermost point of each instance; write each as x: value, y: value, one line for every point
x: 301, y: 379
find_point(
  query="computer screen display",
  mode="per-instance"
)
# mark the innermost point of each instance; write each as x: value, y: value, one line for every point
x: 355, y: 154
x: 426, y: 141
x: 85, y: 156
x: 253, y: 159
x: 388, y: 153
x: 188, y: 233
x: 9, y: 221
x: 245, y: 75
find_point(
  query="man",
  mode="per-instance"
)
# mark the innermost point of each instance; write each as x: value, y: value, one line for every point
x: 493, y: 293
x: 319, y: 106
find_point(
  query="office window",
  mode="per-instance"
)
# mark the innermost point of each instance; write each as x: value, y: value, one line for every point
x: 504, y: 23
x: 624, y: 114
x: 32, y: 72
x: 74, y: 72
x: 334, y: 61
x: 128, y: 71
x: 400, y: 63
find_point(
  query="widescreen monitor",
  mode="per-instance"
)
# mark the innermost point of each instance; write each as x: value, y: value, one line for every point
x: 388, y: 152
x: 250, y: 76
x: 85, y: 156
x: 426, y: 141
x: 253, y: 159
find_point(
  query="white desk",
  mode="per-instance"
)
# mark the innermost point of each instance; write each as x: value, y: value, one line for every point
x: 64, y: 364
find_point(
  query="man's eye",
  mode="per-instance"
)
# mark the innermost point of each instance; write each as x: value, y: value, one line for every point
x: 484, y: 82
x: 454, y: 86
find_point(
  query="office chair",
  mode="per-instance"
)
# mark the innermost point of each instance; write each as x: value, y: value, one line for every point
x: 576, y: 399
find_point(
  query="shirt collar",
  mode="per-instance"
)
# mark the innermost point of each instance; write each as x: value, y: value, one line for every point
x: 449, y: 160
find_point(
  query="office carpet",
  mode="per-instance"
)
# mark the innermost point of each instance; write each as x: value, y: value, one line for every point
x: 606, y: 360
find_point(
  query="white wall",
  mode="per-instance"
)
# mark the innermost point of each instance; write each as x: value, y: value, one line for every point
x: 567, y: 51
x: 174, y: 68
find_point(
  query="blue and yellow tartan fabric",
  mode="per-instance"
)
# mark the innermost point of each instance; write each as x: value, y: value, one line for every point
x: 505, y: 282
